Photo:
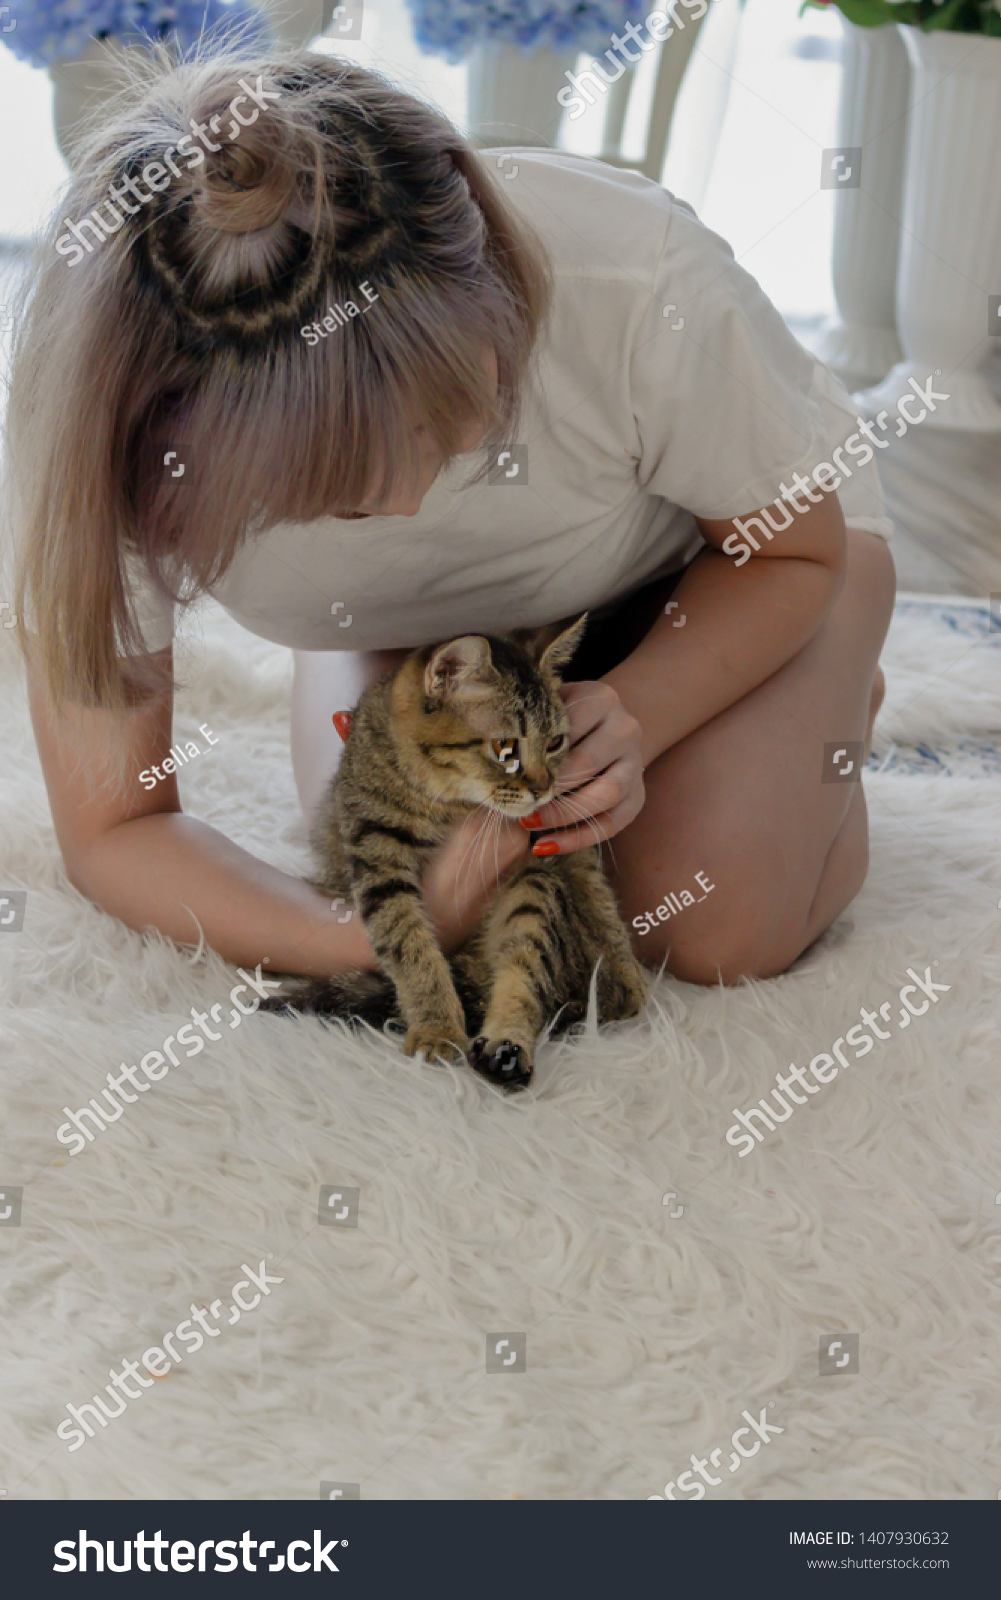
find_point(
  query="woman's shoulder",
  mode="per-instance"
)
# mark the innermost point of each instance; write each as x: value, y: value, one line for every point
x: 596, y: 220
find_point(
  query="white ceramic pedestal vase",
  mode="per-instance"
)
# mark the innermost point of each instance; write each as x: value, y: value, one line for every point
x: 950, y: 252
x: 860, y: 344
x: 296, y: 22
x: 85, y: 86
x: 511, y: 97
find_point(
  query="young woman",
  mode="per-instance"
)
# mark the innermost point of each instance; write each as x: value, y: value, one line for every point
x: 410, y: 395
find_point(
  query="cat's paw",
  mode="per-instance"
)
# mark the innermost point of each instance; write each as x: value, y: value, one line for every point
x: 431, y: 1040
x: 502, y: 1061
x: 624, y: 995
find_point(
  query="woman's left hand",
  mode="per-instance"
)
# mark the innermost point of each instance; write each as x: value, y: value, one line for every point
x: 600, y: 786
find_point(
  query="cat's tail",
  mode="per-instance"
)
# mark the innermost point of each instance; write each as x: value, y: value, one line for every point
x: 366, y: 996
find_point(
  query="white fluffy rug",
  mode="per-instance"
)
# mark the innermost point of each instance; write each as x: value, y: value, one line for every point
x: 650, y: 1326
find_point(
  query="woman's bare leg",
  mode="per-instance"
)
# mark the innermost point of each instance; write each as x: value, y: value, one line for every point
x: 742, y: 801
x: 325, y: 681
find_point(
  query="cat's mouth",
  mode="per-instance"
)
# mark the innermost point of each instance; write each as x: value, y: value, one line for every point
x: 522, y: 807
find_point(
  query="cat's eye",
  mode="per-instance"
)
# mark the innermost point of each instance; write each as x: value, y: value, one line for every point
x: 556, y: 744
x: 506, y: 752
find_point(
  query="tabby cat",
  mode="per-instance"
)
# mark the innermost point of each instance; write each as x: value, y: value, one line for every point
x: 474, y: 723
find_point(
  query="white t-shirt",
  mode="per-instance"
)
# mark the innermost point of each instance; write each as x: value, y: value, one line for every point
x: 630, y: 424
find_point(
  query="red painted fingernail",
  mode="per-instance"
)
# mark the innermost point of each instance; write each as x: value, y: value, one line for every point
x: 534, y: 821
x: 546, y: 847
x: 342, y: 721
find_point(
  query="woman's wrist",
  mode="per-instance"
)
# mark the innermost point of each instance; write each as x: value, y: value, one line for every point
x: 336, y: 941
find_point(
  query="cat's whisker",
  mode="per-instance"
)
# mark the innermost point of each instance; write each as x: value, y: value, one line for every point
x: 582, y: 816
x: 570, y: 810
x: 468, y: 855
x: 582, y: 699
x: 497, y: 834
x: 493, y: 831
x: 467, y: 852
x: 588, y: 776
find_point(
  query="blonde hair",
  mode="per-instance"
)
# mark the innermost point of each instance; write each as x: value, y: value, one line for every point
x: 181, y: 331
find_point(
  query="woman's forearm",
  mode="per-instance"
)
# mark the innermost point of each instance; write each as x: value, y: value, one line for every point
x: 177, y: 874
x: 740, y: 625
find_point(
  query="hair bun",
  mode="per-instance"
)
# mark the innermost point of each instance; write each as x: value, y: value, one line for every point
x: 250, y: 183
x: 326, y: 179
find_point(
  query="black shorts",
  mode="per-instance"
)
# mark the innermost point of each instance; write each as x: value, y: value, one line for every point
x: 615, y: 634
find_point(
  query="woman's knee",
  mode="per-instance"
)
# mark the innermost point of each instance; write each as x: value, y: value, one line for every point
x: 751, y: 940
x: 726, y: 959
x: 732, y: 944
x: 871, y: 579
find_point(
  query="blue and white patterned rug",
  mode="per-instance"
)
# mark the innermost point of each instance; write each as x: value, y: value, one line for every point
x: 957, y: 643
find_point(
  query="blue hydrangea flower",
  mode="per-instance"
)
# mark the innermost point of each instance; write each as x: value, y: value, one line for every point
x: 45, y: 31
x: 453, y: 28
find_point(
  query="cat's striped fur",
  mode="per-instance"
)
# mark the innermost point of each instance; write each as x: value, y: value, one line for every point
x: 476, y: 722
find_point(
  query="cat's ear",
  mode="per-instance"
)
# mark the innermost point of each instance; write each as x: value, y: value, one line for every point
x: 561, y: 651
x: 461, y: 668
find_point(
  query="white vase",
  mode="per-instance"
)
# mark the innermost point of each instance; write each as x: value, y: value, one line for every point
x: 950, y: 252
x: 296, y: 22
x: 861, y: 344
x: 82, y: 90
x: 511, y: 97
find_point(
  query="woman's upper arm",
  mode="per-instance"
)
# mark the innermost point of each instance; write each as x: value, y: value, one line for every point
x: 816, y: 533
x: 92, y: 763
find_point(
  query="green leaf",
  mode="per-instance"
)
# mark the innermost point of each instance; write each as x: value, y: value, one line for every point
x: 874, y: 13
x: 950, y: 17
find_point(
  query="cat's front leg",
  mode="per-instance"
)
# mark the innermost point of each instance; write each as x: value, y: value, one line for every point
x: 526, y: 955
x: 404, y: 941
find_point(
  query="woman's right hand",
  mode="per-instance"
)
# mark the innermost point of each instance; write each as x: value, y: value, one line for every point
x: 465, y: 871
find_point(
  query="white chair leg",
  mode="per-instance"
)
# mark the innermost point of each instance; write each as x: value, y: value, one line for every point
x: 511, y: 97
x: 673, y: 58
x: 704, y: 102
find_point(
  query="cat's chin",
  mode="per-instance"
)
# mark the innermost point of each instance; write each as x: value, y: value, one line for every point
x: 515, y: 813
